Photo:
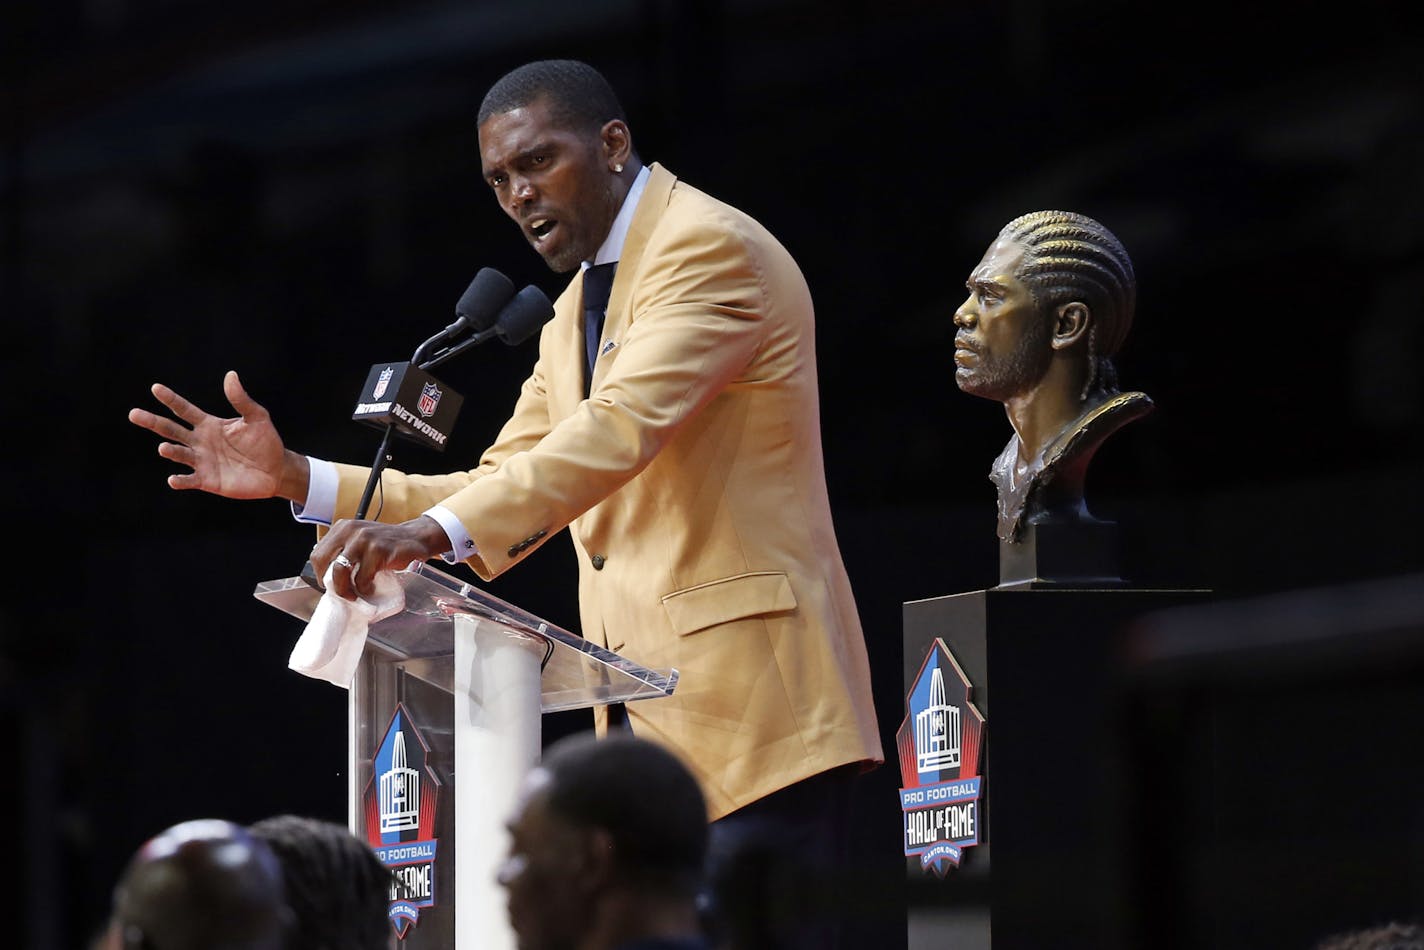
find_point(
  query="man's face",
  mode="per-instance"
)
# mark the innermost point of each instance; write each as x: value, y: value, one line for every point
x: 554, y: 182
x: 548, y: 902
x: 1003, y: 345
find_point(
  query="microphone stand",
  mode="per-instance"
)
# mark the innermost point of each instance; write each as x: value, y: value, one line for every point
x: 459, y: 348
x: 383, y: 457
x: 383, y: 452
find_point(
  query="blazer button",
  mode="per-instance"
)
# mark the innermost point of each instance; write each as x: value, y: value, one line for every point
x: 597, y: 560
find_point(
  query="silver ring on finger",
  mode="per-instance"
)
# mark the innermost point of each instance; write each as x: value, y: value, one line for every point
x: 343, y: 561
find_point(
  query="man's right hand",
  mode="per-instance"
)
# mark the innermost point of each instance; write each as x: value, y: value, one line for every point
x: 241, y: 457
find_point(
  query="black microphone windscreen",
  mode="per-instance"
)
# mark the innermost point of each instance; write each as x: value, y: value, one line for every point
x: 527, y: 312
x: 481, y: 302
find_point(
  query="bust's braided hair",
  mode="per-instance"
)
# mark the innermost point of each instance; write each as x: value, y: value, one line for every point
x: 1068, y: 257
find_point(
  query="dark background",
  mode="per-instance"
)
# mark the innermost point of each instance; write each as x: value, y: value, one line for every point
x: 291, y: 189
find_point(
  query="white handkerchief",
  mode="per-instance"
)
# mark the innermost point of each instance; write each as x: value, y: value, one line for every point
x: 330, y: 647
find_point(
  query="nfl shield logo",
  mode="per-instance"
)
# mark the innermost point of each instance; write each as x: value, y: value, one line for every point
x: 429, y: 399
x: 383, y: 382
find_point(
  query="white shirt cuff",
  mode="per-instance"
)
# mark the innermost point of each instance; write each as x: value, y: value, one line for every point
x: 320, y: 506
x: 461, y: 545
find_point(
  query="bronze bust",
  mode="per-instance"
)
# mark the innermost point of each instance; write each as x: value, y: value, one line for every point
x: 1049, y: 305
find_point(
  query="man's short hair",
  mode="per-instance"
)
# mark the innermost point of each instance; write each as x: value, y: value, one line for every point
x: 1070, y: 256
x: 638, y: 792
x: 337, y: 888
x: 579, y: 97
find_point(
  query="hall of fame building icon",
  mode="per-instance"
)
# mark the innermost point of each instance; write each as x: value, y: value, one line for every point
x: 940, y: 743
x: 399, y: 806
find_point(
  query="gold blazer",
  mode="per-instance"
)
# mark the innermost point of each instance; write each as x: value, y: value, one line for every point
x: 693, y: 485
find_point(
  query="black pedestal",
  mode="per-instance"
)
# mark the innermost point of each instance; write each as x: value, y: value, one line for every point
x: 1052, y: 871
x: 1082, y: 553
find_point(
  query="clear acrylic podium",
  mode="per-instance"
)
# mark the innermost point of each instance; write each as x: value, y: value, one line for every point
x: 454, y: 686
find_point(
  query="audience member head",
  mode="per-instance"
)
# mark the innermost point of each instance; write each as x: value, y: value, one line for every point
x: 205, y: 884
x: 1391, y: 936
x: 337, y: 888
x: 608, y: 841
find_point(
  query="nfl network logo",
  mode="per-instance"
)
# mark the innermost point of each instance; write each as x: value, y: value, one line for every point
x: 429, y: 399
x: 383, y: 382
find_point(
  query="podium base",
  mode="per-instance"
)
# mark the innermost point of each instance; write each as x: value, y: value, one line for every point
x: 1043, y: 666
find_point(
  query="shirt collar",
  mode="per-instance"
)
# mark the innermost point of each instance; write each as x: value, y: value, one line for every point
x: 612, y: 248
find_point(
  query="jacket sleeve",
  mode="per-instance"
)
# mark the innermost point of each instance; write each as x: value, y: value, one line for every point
x: 699, y: 312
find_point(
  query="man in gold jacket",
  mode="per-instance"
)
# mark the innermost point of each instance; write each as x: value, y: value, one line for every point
x: 686, y: 463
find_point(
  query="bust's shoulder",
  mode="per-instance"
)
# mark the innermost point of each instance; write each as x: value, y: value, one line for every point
x: 1096, y: 423
x: 1131, y: 404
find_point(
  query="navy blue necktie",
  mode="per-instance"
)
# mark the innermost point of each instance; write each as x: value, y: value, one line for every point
x: 597, y: 282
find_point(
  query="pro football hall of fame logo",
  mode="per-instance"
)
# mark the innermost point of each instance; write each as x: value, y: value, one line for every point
x: 399, y: 804
x: 940, y: 743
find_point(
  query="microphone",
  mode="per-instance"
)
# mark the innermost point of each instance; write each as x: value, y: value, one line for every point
x: 403, y: 397
x: 406, y: 400
x: 419, y: 406
x: 520, y: 319
x: 524, y: 315
x: 436, y: 405
x: 477, y: 308
x: 481, y: 302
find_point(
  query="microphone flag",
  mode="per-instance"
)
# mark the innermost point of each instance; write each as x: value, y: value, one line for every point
x: 420, y: 407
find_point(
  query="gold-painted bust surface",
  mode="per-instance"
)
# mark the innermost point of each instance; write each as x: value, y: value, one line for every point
x: 1049, y: 306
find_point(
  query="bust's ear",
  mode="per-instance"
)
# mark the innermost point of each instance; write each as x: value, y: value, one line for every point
x: 1071, y: 322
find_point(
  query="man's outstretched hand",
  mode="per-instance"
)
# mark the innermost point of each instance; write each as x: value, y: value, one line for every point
x: 239, y: 457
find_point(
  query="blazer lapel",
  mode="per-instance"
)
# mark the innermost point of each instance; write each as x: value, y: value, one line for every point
x: 650, y: 209
x: 565, y: 357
